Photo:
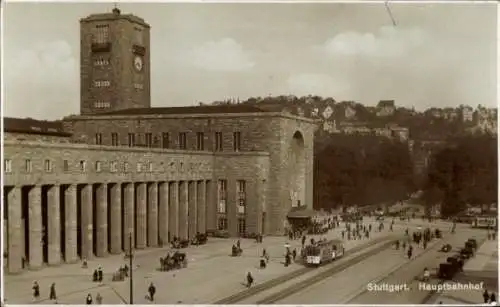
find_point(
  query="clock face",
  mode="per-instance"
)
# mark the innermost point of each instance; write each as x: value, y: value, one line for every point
x: 138, y: 63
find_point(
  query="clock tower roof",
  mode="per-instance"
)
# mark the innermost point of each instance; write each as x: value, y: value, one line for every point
x: 115, y: 15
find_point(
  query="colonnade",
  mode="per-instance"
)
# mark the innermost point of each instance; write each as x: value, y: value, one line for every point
x: 54, y: 224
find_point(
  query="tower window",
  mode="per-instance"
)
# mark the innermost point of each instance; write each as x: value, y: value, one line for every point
x: 101, y: 62
x: 83, y: 165
x: 101, y: 34
x: 138, y: 36
x: 114, y: 166
x: 66, y: 165
x: 102, y: 83
x: 98, y: 166
x: 102, y: 104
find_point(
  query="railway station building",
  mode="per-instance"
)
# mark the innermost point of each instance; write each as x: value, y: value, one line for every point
x: 81, y: 187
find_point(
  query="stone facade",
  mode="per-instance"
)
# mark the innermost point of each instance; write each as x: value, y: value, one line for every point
x: 83, y: 187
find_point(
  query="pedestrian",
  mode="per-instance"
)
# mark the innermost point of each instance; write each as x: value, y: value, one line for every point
x: 98, y: 299
x: 410, y: 252
x: 486, y: 296
x: 84, y: 263
x: 238, y: 244
x: 52, y: 295
x: 152, y: 291
x: 304, y: 240
x: 88, y: 300
x: 36, y: 290
x: 99, y: 274
x: 249, y: 280
x: 493, y: 298
x: 294, y: 254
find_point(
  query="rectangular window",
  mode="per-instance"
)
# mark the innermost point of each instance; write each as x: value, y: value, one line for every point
x: 66, y: 165
x: 182, y: 140
x: 114, y: 139
x: 98, y: 138
x: 48, y: 166
x: 241, y: 194
x: 98, y: 166
x: 102, y: 83
x: 222, y: 195
x: 237, y: 141
x: 83, y: 165
x: 222, y: 223
x: 150, y: 166
x: 149, y: 139
x: 138, y: 36
x: 126, y: 167
x: 165, y: 140
x: 242, y: 226
x: 139, y: 167
x: 101, y: 62
x: 101, y: 34
x: 131, y: 140
x: 102, y: 104
x: 28, y: 167
x: 7, y: 166
x: 218, y: 141
x: 114, y: 167
x: 200, y: 142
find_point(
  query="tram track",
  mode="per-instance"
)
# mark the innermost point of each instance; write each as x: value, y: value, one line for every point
x: 327, y: 271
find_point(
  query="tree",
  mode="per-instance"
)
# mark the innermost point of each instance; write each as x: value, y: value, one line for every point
x: 463, y: 173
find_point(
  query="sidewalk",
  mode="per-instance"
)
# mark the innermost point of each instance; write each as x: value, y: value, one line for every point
x: 482, y: 270
x: 211, y: 274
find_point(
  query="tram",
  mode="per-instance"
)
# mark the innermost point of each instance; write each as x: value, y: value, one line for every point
x: 485, y: 222
x: 323, y: 252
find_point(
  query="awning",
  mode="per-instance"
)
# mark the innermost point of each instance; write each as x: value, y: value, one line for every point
x: 302, y: 214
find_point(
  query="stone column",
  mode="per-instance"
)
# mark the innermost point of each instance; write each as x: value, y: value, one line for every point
x: 253, y: 208
x: 54, y: 225
x: 129, y: 216
x: 201, y: 207
x: 183, y: 210
x: 86, y: 223
x: 192, y: 212
x: 115, y: 246
x: 232, y: 210
x: 15, y: 247
x: 140, y: 215
x: 173, y: 209
x: 35, y: 227
x: 211, y: 201
x: 153, y: 214
x: 102, y: 220
x: 70, y: 200
x: 163, y: 213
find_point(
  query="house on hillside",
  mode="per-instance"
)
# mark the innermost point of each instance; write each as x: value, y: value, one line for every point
x: 349, y: 112
x: 450, y: 114
x: 386, y: 108
x: 466, y: 113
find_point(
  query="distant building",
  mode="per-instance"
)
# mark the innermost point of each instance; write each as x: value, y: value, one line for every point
x: 386, y: 108
x: 349, y: 112
x: 467, y: 113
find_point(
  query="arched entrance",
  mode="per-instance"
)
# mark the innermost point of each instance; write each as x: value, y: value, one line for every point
x: 297, y: 170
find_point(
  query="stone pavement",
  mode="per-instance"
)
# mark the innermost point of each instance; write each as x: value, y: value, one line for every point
x: 480, y: 270
x: 211, y: 274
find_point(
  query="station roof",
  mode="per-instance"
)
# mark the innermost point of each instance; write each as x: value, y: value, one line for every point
x: 204, y: 109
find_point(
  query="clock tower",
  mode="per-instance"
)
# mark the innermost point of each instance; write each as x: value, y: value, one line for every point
x: 114, y: 63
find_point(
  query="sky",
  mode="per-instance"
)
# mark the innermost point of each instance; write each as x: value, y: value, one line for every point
x: 437, y: 55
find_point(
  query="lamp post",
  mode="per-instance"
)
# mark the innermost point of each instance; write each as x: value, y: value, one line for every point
x: 131, y: 280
